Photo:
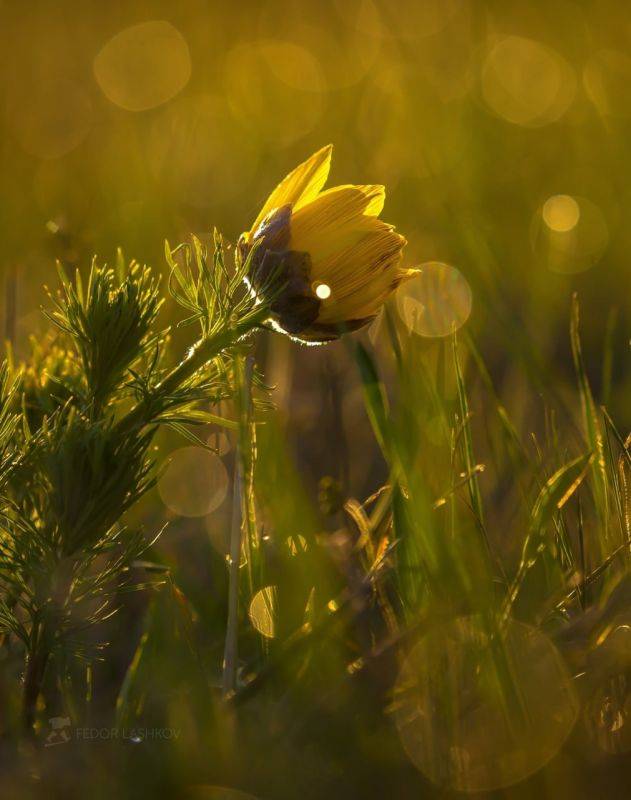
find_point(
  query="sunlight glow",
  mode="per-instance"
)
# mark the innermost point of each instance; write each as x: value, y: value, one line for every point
x: 437, y: 302
x: 526, y: 82
x: 261, y: 611
x: 561, y: 213
x: 262, y: 80
x: 194, y: 483
x: 143, y: 66
x: 569, y: 234
x: 323, y: 291
x: 463, y: 756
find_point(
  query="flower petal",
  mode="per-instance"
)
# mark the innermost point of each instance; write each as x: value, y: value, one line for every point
x: 362, y: 275
x: 329, y: 222
x: 374, y: 194
x: 302, y: 185
x: 364, y: 245
x: 373, y: 303
x: 377, y: 199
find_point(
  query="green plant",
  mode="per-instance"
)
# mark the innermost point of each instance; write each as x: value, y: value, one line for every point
x: 76, y: 426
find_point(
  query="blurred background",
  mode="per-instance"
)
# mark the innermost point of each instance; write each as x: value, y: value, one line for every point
x: 500, y: 130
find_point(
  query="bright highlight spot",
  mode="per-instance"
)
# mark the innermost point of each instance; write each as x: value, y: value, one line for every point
x: 569, y: 234
x: 437, y: 302
x: 526, y: 82
x: 194, y: 483
x: 297, y: 545
x: 323, y: 291
x: 561, y: 213
x: 143, y: 66
x: 515, y: 710
x: 261, y: 611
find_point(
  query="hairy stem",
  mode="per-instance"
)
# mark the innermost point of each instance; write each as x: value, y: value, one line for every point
x: 240, y: 519
x: 201, y: 353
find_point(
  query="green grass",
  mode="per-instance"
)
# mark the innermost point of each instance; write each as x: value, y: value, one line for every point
x: 480, y: 586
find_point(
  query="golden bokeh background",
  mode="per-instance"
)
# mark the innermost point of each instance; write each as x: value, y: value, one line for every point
x: 129, y: 121
x: 499, y: 129
x: 125, y: 123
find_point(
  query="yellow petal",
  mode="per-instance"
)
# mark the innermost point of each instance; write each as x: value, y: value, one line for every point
x: 375, y: 196
x: 330, y: 210
x: 377, y: 199
x: 334, y: 219
x: 362, y: 276
x: 366, y: 244
x: 373, y: 304
x: 365, y: 301
x: 302, y: 185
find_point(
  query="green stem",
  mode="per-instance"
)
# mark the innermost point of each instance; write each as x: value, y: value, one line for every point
x: 241, y: 520
x: 201, y: 353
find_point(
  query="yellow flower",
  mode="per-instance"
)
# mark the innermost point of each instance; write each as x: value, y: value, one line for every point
x: 327, y: 259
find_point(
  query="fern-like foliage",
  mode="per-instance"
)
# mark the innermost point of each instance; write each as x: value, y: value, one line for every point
x: 109, y: 322
x: 76, y: 425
